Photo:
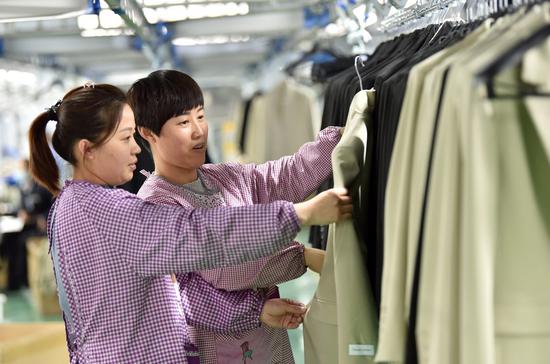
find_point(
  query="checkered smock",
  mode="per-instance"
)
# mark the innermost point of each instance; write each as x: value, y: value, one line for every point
x: 116, y: 252
x: 292, y: 178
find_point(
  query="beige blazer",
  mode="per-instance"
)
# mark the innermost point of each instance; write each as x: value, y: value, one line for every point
x: 486, y: 239
x: 341, y: 324
x: 280, y: 122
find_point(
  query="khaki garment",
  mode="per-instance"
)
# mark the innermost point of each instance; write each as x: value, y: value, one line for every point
x: 426, y: 116
x: 428, y: 300
x: 280, y: 122
x: 513, y: 140
x: 341, y: 324
x: 404, y: 199
x: 467, y: 257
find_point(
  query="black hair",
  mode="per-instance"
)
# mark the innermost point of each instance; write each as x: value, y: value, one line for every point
x: 86, y: 112
x: 163, y: 95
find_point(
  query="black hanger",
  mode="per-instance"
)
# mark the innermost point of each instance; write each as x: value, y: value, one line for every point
x: 511, y: 58
x: 315, y: 49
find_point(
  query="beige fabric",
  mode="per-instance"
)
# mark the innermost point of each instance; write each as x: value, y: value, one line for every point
x: 470, y: 275
x: 280, y: 122
x: 403, y: 199
x: 341, y: 324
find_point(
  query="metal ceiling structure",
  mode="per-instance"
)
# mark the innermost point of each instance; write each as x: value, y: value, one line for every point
x: 239, y: 41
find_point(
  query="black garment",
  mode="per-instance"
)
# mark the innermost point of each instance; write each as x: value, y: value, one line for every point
x: 379, y: 67
x: 144, y: 162
x: 337, y: 102
x: 386, y: 71
x: 391, y: 94
x: 321, y: 72
x: 244, y: 124
x: 35, y: 203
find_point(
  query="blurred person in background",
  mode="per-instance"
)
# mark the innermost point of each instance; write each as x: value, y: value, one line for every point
x: 34, y: 204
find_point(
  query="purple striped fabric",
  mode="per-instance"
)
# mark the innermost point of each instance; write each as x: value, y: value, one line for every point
x: 292, y: 178
x: 116, y: 252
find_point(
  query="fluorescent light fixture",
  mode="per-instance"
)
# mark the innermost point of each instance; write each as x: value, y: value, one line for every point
x: 125, y: 78
x: 151, y: 15
x: 216, y: 39
x: 197, y: 11
x: 231, y: 9
x: 105, y: 32
x: 215, y: 10
x: 18, y: 77
x: 169, y: 2
x: 173, y: 13
x: 108, y: 19
x: 88, y: 21
x: 244, y: 8
x: 153, y: 2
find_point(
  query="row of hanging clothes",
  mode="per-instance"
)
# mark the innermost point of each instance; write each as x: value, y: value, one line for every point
x: 446, y: 153
x: 278, y: 121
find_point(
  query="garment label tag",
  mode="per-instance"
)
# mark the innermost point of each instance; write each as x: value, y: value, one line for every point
x: 360, y: 350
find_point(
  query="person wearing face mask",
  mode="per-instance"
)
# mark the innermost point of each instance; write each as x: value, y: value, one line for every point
x: 170, y: 116
x: 113, y: 252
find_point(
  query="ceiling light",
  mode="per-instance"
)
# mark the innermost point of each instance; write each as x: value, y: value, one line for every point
x: 216, y: 39
x: 231, y: 9
x: 215, y: 10
x: 173, y: 13
x: 88, y: 21
x: 151, y: 15
x: 197, y: 11
x: 108, y: 19
x: 153, y: 2
x: 18, y: 77
x: 244, y: 8
x: 105, y: 32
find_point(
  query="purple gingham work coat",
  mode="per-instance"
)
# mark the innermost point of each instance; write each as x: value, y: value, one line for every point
x: 291, y: 178
x: 116, y: 252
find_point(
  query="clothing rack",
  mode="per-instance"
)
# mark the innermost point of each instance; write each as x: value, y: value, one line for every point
x: 469, y: 11
x: 405, y: 16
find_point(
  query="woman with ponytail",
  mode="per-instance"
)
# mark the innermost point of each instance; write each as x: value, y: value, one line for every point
x: 113, y: 252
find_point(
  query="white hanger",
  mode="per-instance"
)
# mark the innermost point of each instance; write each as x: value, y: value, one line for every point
x: 360, y: 58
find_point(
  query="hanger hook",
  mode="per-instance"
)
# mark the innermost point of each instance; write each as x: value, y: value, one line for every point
x: 359, y: 58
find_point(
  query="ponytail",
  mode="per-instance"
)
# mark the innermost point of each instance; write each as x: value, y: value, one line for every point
x: 42, y: 162
x: 90, y: 112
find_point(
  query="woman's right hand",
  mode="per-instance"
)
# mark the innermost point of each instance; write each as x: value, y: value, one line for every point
x: 327, y: 207
x: 282, y: 313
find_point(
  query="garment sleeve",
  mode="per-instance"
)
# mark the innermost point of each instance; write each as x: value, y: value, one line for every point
x: 280, y: 267
x: 295, y: 177
x: 208, y: 308
x: 160, y: 239
x: 283, y: 266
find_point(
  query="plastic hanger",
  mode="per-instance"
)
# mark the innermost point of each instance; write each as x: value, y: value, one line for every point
x: 511, y: 58
x: 360, y: 58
